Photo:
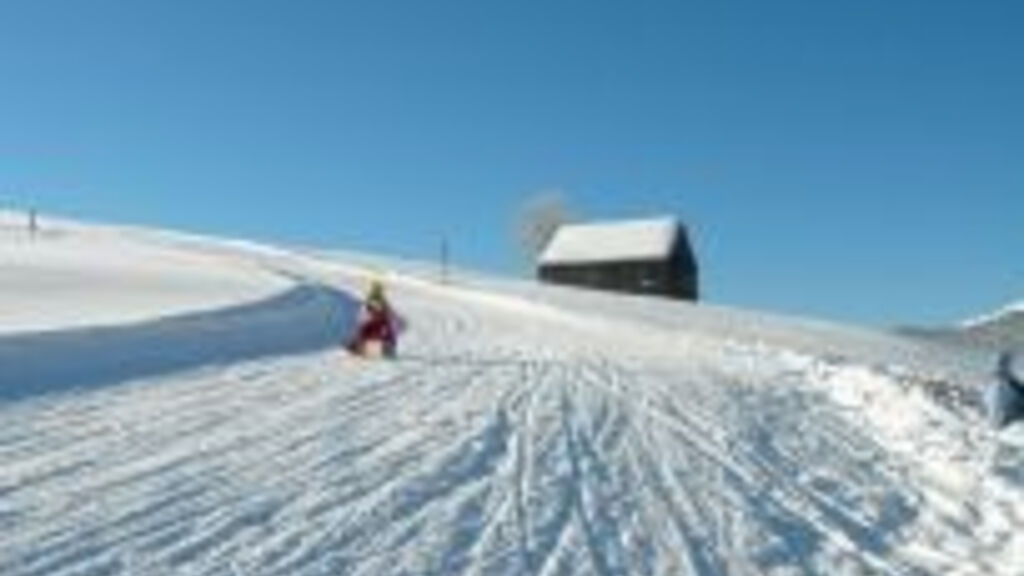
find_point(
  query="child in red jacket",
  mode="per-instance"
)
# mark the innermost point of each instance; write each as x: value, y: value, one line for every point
x: 377, y: 324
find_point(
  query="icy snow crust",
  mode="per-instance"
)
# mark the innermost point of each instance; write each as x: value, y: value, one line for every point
x: 523, y: 430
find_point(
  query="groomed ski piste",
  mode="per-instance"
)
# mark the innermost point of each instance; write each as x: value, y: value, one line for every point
x: 171, y: 404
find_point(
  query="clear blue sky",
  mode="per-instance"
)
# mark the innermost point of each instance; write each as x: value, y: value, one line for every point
x: 860, y: 161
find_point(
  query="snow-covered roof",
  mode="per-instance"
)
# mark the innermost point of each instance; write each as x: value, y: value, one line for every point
x: 615, y: 241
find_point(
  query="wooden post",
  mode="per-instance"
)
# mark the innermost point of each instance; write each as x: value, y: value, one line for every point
x: 444, y: 260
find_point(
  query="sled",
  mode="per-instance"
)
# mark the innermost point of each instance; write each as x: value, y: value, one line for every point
x: 371, y: 349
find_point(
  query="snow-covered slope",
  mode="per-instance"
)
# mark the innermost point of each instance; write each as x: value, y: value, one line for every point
x: 523, y: 430
x: 84, y: 305
x: 72, y: 275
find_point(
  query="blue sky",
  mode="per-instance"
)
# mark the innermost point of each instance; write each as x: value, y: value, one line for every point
x: 861, y: 161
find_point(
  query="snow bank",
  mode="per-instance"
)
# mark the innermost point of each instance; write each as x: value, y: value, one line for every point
x: 307, y: 317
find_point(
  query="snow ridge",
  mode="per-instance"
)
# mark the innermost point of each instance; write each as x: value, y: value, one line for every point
x: 307, y: 317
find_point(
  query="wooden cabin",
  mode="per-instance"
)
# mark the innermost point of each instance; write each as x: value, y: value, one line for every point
x: 650, y: 256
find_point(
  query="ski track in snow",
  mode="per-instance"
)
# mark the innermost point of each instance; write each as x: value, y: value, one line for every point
x: 498, y: 443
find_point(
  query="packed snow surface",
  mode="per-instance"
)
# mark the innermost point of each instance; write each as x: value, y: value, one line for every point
x: 522, y: 430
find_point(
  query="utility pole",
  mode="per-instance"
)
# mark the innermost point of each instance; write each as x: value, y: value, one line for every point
x: 444, y: 259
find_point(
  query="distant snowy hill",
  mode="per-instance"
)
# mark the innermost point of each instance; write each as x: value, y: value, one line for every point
x: 1000, y: 330
x: 1004, y: 329
x: 187, y: 409
x: 1004, y: 314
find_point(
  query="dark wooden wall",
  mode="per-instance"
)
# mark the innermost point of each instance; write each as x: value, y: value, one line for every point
x: 671, y: 278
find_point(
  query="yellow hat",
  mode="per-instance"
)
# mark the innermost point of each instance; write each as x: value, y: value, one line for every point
x: 376, y: 289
